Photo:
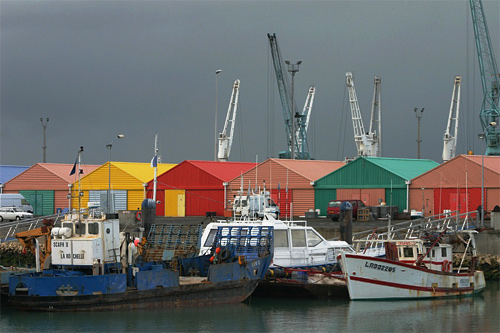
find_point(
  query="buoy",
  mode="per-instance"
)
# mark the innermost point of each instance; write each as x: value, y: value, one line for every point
x: 212, y: 259
x: 217, y: 250
x: 446, y: 266
x: 138, y: 216
x: 136, y: 241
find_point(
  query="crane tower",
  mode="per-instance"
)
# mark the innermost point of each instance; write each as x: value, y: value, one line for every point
x: 450, y: 139
x: 299, y: 133
x: 490, y: 81
x: 226, y: 137
x: 367, y: 143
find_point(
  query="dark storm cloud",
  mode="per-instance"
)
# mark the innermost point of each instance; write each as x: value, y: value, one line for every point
x: 102, y: 68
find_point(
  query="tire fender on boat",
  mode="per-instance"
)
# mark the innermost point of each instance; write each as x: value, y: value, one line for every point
x: 225, y: 254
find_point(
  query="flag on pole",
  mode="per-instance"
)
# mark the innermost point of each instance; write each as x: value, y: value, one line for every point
x: 73, y: 170
x: 154, y: 161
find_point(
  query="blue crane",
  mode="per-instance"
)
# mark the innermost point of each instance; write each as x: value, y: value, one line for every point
x: 489, y: 79
x: 299, y: 140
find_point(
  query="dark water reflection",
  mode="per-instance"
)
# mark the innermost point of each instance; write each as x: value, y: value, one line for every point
x: 477, y: 314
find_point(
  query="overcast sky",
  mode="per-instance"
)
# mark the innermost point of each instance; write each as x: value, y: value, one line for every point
x: 97, y: 69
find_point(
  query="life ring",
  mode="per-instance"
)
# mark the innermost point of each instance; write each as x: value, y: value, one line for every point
x: 138, y: 216
x: 446, y: 266
x: 225, y: 254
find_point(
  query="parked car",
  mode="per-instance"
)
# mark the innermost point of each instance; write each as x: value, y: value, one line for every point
x: 13, y: 213
x: 333, y: 209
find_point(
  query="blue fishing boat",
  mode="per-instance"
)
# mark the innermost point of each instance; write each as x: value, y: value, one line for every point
x: 96, y: 267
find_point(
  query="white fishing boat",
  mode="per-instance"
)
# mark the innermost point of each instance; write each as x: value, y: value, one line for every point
x: 414, y: 268
x: 304, y: 264
x: 296, y: 245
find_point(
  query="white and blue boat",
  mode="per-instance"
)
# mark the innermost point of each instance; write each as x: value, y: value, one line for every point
x: 96, y: 267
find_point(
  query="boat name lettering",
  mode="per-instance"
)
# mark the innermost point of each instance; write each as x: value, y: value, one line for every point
x: 80, y: 256
x: 60, y: 244
x: 405, y: 243
x: 380, y: 267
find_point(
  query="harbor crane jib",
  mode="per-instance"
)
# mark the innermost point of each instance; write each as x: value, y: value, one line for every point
x: 226, y: 137
x: 490, y: 81
x: 367, y: 143
x: 301, y: 150
x: 450, y: 139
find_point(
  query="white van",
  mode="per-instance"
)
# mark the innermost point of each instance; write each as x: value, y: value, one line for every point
x: 15, y: 200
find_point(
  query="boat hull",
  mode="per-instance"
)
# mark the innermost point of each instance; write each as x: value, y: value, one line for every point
x: 199, y: 294
x: 379, y: 278
x: 156, y: 288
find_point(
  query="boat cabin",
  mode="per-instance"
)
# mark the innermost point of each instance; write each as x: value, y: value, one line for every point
x: 295, y: 243
x: 84, y: 242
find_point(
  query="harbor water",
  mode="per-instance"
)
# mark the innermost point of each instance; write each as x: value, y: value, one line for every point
x: 470, y: 314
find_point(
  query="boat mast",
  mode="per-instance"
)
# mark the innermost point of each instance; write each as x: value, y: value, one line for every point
x: 80, y: 184
x: 155, y: 164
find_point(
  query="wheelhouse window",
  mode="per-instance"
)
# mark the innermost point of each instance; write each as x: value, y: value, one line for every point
x: 408, y: 252
x: 313, y: 238
x: 298, y: 238
x: 210, y: 238
x: 280, y: 238
x: 93, y: 228
x: 67, y: 225
x: 444, y: 253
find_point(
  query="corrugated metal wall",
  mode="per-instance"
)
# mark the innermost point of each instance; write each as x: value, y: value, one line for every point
x: 135, y: 198
x: 417, y: 196
x: 362, y: 174
x: 202, y: 191
x: 42, y: 201
x: 322, y: 197
x: 369, y: 196
x: 303, y: 200
x: 396, y: 197
x: 198, y: 202
x: 119, y: 198
x: 457, y: 199
x: 300, y: 191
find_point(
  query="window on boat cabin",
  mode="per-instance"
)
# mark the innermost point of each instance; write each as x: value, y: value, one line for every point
x: 280, y: 238
x: 210, y: 238
x: 408, y: 252
x: 79, y: 229
x: 444, y: 253
x: 67, y: 225
x: 298, y: 238
x: 93, y: 228
x: 313, y: 238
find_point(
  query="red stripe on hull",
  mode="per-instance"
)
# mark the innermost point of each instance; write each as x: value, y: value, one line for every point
x: 412, y: 287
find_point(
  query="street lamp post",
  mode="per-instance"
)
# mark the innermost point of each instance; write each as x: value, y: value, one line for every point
x: 482, y: 136
x: 292, y: 69
x: 216, y: 137
x: 419, y: 115
x: 44, y: 147
x: 109, y: 146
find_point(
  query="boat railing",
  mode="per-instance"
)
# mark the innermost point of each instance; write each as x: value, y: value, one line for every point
x: 412, y: 229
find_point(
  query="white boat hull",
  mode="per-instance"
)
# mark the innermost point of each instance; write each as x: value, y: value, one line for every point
x: 379, y: 278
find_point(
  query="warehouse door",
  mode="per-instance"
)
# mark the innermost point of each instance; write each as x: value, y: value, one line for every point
x: 175, y: 202
x: 181, y: 205
x: 458, y: 201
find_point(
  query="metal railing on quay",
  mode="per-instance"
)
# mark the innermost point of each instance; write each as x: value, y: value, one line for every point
x: 9, y: 229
